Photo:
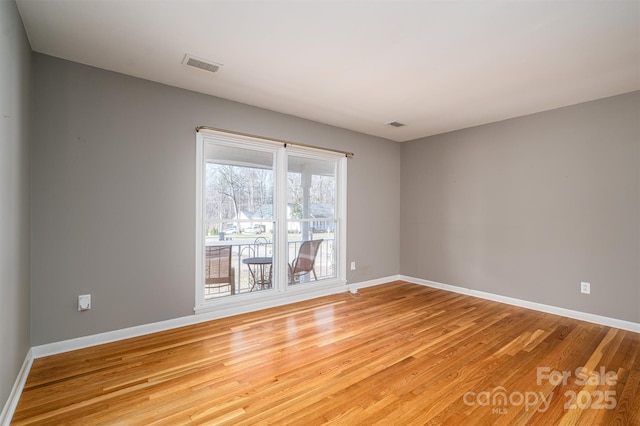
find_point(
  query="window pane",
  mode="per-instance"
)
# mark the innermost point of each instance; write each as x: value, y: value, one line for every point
x: 314, y: 258
x: 238, y: 220
x: 311, y: 188
x: 311, y: 221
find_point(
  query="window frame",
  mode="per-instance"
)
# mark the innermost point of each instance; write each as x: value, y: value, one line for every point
x: 281, y: 293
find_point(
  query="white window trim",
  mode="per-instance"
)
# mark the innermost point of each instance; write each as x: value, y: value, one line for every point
x: 282, y: 293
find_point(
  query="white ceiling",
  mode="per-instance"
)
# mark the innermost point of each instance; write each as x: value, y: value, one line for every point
x: 434, y: 65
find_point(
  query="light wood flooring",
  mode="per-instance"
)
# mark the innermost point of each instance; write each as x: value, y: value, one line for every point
x: 396, y: 354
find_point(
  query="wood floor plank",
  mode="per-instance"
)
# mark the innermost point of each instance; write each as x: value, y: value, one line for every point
x: 393, y: 354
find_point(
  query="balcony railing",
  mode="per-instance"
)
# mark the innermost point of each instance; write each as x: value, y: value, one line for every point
x: 244, y: 248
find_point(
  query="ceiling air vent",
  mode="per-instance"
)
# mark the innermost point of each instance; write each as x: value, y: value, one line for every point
x: 395, y: 124
x: 202, y: 64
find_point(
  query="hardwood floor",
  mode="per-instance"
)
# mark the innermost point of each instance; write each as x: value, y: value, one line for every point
x: 397, y: 354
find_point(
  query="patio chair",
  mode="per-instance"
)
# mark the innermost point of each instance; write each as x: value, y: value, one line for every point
x: 218, y: 271
x: 304, y: 263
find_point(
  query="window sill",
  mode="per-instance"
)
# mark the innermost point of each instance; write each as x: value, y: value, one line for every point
x: 250, y: 302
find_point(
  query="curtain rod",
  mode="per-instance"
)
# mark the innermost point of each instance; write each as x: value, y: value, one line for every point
x: 346, y: 153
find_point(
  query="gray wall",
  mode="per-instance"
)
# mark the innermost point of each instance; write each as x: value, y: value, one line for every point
x: 525, y: 208
x: 530, y: 207
x: 14, y: 196
x: 114, y: 195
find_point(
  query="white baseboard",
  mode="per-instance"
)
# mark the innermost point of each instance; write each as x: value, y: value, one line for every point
x: 583, y: 316
x: 140, y: 330
x: 126, y: 333
x: 371, y: 283
x: 14, y: 396
x: 201, y: 316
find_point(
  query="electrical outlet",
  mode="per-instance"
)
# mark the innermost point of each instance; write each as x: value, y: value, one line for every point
x: 353, y: 266
x: 84, y: 302
x: 585, y: 288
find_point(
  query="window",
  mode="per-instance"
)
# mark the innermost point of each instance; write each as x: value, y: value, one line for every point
x: 270, y: 222
x: 311, y: 218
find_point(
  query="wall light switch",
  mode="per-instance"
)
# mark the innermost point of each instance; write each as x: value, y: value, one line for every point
x: 84, y: 302
x: 353, y: 266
